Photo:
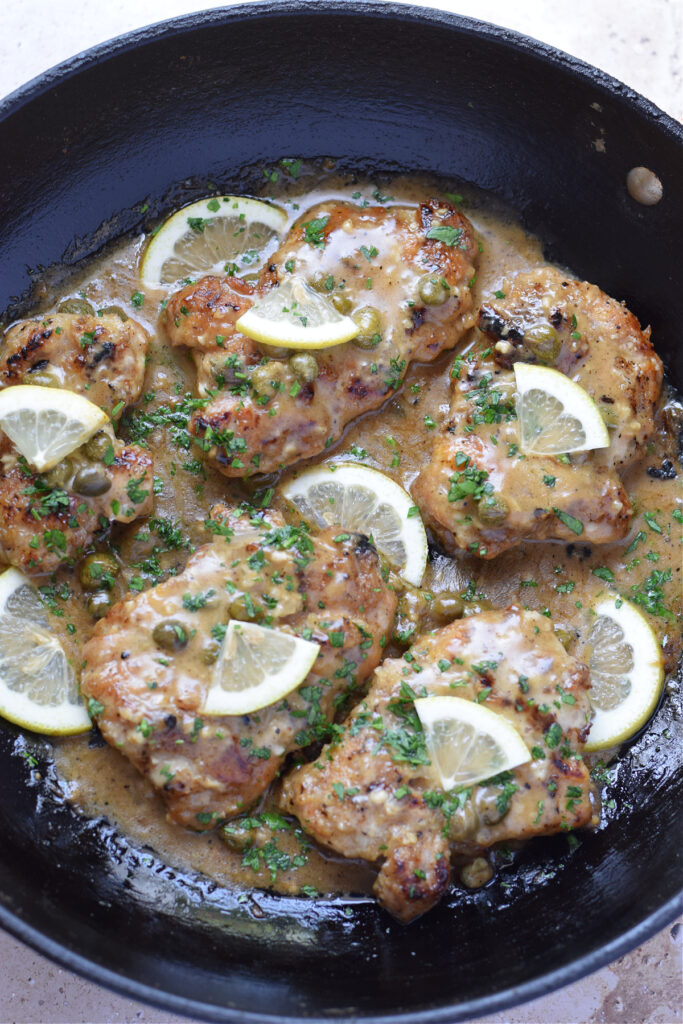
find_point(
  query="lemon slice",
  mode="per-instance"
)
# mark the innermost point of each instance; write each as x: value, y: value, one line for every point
x: 555, y: 414
x: 38, y: 689
x: 625, y: 662
x: 206, y: 236
x: 296, y: 316
x: 47, y: 424
x: 363, y: 500
x: 257, y: 667
x: 467, y: 742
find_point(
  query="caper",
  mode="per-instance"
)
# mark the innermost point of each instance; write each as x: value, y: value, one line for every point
x: 304, y: 366
x: 60, y: 474
x: 433, y: 291
x: 91, y: 482
x: 369, y: 325
x: 447, y: 606
x: 113, y: 311
x: 98, y: 570
x: 242, y: 608
x: 482, y: 604
x: 543, y: 342
x: 98, y: 445
x: 98, y: 604
x: 342, y: 303
x: 44, y: 377
x: 492, y: 510
x: 211, y: 652
x: 320, y: 282
x: 80, y: 306
x: 564, y: 636
x: 477, y: 873
x: 274, y: 351
x: 170, y: 635
x: 488, y: 806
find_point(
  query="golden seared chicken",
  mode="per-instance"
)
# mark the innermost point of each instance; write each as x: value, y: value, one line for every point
x: 49, y: 519
x: 370, y: 794
x: 402, y: 273
x: 149, y: 663
x: 480, y: 492
x: 101, y: 357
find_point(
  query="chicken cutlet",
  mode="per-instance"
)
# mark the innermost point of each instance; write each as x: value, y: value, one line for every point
x: 402, y: 273
x: 149, y: 663
x: 101, y: 357
x: 48, y: 520
x: 371, y: 794
x: 480, y: 492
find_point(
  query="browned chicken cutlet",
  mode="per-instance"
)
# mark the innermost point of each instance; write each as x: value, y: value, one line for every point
x: 45, y: 523
x: 479, y: 492
x: 377, y: 264
x: 148, y: 689
x: 370, y: 794
x: 101, y: 357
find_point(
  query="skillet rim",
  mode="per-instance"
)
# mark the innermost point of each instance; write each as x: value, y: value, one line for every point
x: 664, y: 123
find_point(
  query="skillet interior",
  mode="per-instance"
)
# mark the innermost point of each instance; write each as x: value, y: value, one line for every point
x: 383, y: 88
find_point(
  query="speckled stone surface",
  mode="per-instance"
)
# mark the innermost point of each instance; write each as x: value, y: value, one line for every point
x: 640, y: 43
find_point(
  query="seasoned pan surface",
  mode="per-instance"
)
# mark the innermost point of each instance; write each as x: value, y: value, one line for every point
x: 380, y: 88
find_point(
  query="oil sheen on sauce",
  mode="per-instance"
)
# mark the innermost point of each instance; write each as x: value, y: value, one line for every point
x: 561, y: 581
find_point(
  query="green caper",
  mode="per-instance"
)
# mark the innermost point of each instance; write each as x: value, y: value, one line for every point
x: 342, y: 303
x: 60, y: 474
x: 447, y: 606
x: 98, y: 604
x: 170, y: 635
x: 274, y: 351
x: 482, y: 604
x: 98, y: 445
x: 321, y: 282
x: 113, y: 311
x: 304, y: 366
x: 211, y: 652
x: 80, y: 306
x: 489, y: 806
x: 433, y: 291
x: 369, y: 324
x: 564, y: 636
x: 242, y: 608
x: 44, y: 377
x: 98, y: 570
x: 91, y: 482
x: 543, y: 342
x: 492, y: 510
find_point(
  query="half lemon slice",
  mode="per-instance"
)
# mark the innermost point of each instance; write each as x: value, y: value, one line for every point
x: 296, y: 316
x: 467, y: 742
x: 210, y: 235
x: 38, y: 688
x: 47, y: 424
x: 555, y: 415
x: 257, y: 667
x: 625, y: 662
x: 363, y: 500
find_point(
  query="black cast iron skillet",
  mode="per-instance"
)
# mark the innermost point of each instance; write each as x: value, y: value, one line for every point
x: 381, y: 88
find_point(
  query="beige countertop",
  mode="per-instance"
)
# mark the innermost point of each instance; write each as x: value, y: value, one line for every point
x: 640, y: 43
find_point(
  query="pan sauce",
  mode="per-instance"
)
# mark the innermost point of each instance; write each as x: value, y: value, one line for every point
x: 553, y: 578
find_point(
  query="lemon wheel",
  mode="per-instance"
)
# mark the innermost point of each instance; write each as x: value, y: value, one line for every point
x: 363, y: 500
x: 38, y: 688
x: 210, y: 237
x: 556, y: 416
x: 257, y: 667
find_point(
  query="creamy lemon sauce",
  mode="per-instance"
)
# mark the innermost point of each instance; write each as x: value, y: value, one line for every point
x: 562, y: 581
